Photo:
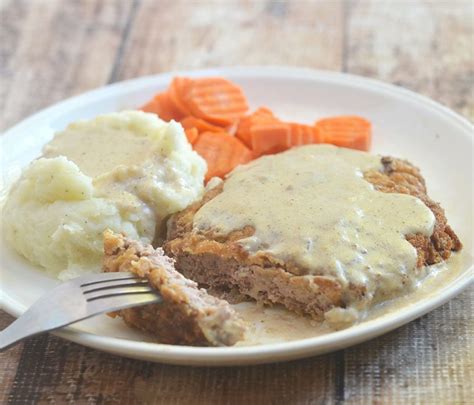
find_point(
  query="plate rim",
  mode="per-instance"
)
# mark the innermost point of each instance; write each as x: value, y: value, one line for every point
x: 258, y: 354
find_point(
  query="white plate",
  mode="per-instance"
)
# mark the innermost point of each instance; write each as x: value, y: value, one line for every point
x: 405, y: 124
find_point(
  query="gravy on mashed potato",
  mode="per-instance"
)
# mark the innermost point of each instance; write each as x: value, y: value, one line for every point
x: 125, y: 171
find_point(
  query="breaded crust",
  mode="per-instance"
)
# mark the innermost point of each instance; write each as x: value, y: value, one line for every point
x: 400, y: 176
x: 187, y: 315
x: 220, y: 262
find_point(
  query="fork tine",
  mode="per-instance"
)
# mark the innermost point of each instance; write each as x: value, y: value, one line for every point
x: 121, y: 294
x: 113, y: 302
x: 114, y: 284
x: 119, y: 290
x: 100, y: 278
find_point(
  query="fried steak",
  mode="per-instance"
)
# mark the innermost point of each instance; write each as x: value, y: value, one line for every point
x: 220, y: 263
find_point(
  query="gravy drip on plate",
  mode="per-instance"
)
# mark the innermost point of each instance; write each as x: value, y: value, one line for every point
x: 311, y: 206
x: 277, y: 324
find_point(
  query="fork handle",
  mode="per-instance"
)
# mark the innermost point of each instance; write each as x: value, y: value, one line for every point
x: 16, y: 331
x: 10, y: 336
x: 31, y: 323
x: 25, y: 326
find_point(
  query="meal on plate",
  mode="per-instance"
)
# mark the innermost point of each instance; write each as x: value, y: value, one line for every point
x: 215, y: 204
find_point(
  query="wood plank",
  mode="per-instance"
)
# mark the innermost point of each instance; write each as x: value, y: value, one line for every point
x: 50, y: 52
x: 178, y: 35
x: 425, y: 46
x: 429, y: 360
x: 61, y: 371
x: 8, y: 361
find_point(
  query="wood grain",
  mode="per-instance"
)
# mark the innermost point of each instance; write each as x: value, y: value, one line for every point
x: 223, y: 33
x: 425, y: 46
x: 427, y: 361
x: 65, y: 371
x: 51, y: 49
x: 8, y: 361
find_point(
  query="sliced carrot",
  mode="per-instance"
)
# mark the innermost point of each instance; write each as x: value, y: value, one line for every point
x: 153, y: 106
x: 221, y: 152
x: 264, y: 111
x: 161, y: 106
x: 259, y: 116
x: 301, y: 134
x: 192, y: 134
x: 346, y: 131
x: 177, y: 91
x: 243, y: 131
x: 216, y: 100
x: 268, y: 138
x: 199, y: 124
x: 212, y: 110
x: 167, y: 109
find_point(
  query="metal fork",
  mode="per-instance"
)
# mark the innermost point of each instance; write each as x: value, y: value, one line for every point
x: 79, y: 299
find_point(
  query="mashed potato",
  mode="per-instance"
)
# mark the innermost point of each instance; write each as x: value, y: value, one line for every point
x: 125, y: 171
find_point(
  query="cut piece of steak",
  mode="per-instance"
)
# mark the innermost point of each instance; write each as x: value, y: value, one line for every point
x: 188, y: 315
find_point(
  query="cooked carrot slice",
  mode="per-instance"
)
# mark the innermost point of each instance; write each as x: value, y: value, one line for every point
x: 161, y: 106
x: 346, y: 131
x: 243, y: 131
x: 221, y: 152
x: 192, y: 134
x: 152, y: 106
x: 216, y: 100
x: 264, y: 111
x: 301, y: 134
x: 213, y: 109
x: 166, y: 107
x: 177, y: 91
x: 259, y: 116
x: 268, y: 138
x: 199, y: 124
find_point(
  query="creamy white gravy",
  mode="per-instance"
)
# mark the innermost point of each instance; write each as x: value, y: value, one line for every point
x: 276, y: 324
x: 101, y: 153
x: 114, y: 158
x: 311, y: 206
x: 143, y: 165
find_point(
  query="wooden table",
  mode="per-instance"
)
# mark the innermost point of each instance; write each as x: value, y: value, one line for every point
x: 52, y: 49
